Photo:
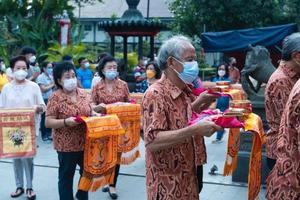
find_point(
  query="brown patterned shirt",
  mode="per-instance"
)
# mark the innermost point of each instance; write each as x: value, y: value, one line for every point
x: 170, y: 173
x: 60, y: 105
x: 283, y: 182
x: 277, y: 92
x: 120, y: 93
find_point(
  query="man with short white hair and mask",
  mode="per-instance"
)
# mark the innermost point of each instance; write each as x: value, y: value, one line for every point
x: 175, y: 150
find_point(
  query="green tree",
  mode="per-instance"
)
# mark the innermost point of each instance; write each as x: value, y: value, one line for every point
x: 291, y: 10
x: 193, y: 17
x: 34, y: 23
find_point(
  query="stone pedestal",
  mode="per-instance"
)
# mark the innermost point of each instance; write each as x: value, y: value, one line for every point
x: 241, y: 172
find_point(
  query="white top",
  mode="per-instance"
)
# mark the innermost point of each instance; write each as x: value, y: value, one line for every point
x: 95, y: 80
x: 45, y: 80
x: 9, y: 73
x: 25, y: 95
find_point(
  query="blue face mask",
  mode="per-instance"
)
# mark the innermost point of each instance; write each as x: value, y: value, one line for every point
x: 49, y: 71
x: 111, y: 74
x: 190, y: 71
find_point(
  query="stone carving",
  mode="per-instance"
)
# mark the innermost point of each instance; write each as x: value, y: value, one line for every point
x: 258, y: 66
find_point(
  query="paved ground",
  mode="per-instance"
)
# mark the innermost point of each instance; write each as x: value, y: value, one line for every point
x: 131, y: 184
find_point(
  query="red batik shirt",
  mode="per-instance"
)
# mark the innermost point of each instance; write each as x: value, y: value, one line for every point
x: 120, y: 93
x: 171, y: 172
x: 277, y: 92
x: 61, y: 106
x: 283, y: 182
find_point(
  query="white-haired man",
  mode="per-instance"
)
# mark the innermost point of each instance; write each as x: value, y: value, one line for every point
x: 174, y: 149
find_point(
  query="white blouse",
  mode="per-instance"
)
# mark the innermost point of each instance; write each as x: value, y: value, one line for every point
x: 25, y: 95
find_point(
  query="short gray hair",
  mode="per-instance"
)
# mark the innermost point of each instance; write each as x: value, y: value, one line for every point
x: 172, y: 47
x: 290, y: 44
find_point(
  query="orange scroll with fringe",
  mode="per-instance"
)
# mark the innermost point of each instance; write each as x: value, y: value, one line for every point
x: 17, y: 133
x: 233, y: 145
x: 130, y: 117
x: 254, y: 124
x: 100, y: 151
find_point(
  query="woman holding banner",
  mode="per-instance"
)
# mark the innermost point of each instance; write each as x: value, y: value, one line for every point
x: 109, y: 90
x: 63, y: 106
x: 22, y: 93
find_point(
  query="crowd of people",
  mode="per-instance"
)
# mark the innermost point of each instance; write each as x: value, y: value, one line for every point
x: 57, y: 92
x: 175, y: 152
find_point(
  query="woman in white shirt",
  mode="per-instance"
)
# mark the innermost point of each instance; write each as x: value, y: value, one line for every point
x: 22, y: 93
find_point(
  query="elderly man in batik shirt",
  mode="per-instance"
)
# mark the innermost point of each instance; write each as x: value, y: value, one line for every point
x: 283, y: 181
x: 173, y: 149
x: 277, y: 92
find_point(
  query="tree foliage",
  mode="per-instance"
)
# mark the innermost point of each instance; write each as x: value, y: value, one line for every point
x: 34, y: 23
x: 195, y: 16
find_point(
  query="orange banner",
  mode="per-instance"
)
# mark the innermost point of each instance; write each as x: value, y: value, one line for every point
x: 100, y: 151
x: 130, y: 117
x: 254, y: 124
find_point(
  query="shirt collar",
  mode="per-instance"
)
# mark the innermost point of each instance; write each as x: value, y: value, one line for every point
x: 117, y: 84
x: 290, y: 72
x: 80, y: 93
x: 174, y: 90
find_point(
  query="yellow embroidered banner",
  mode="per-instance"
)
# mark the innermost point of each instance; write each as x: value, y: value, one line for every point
x: 130, y: 117
x: 100, y: 151
x: 17, y: 133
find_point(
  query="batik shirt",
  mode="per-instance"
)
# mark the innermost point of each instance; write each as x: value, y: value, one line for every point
x: 60, y: 106
x: 277, y: 92
x: 120, y: 93
x: 283, y: 182
x: 170, y: 172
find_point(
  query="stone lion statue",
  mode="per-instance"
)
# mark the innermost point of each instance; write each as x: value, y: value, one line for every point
x: 258, y: 66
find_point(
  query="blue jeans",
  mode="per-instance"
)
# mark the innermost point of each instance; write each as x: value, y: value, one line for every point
x: 222, y: 105
x: 220, y: 135
x: 67, y: 166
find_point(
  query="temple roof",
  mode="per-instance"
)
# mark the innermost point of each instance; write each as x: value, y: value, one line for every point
x: 105, y: 10
x: 132, y: 23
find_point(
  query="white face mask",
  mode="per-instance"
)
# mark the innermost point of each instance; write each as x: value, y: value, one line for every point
x: 221, y: 73
x: 32, y: 59
x: 3, y: 68
x: 20, y: 74
x: 70, y: 84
